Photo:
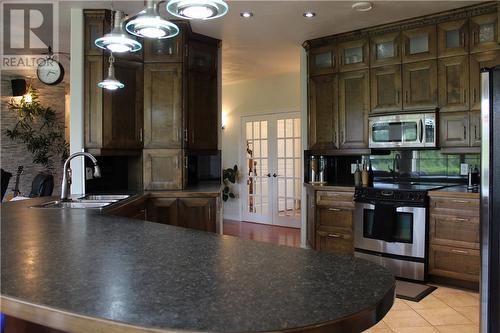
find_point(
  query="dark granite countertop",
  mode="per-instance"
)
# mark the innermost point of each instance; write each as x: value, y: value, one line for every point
x: 98, y: 269
x: 458, y: 190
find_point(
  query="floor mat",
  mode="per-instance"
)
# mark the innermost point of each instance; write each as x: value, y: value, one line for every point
x: 412, y: 291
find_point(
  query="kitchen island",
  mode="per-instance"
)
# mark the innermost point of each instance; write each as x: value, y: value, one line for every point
x: 81, y: 270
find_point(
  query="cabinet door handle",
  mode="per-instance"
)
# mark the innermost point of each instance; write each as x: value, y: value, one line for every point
x: 334, y: 137
x: 463, y: 39
x: 342, y: 137
x: 397, y: 97
x: 334, y: 209
x: 465, y: 95
x: 334, y: 235
x: 460, y: 201
x: 460, y: 251
x: 474, y: 37
x: 465, y: 132
x: 185, y: 135
x: 462, y: 219
x: 185, y: 162
x: 406, y: 96
x: 475, y: 132
x: 141, y: 134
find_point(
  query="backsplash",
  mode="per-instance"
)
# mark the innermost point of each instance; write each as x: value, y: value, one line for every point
x: 425, y: 163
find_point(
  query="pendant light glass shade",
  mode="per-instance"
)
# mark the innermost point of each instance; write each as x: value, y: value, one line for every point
x: 111, y: 83
x: 117, y: 40
x: 197, y: 9
x: 149, y: 24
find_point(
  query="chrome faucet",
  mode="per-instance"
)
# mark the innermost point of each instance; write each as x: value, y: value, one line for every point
x: 66, y: 183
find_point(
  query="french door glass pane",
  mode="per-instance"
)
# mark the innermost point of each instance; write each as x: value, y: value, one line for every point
x: 288, y: 167
x: 257, y: 162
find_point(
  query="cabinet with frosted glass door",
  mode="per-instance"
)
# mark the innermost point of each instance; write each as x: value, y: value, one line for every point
x: 323, y: 60
x: 484, y: 33
x: 419, y: 44
x: 354, y: 55
x: 453, y: 38
x: 385, y: 49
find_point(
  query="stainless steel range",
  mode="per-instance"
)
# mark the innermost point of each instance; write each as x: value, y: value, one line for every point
x: 390, y: 226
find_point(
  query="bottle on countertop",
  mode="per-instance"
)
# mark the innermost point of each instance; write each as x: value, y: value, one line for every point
x: 469, y: 179
x: 371, y: 175
x: 364, y: 175
x: 475, y: 177
x: 357, y: 175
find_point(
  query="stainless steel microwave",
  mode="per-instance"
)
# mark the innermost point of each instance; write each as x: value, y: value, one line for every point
x: 415, y: 130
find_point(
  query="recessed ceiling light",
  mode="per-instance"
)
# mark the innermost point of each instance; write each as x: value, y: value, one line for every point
x: 362, y: 6
x: 309, y: 14
x: 246, y: 14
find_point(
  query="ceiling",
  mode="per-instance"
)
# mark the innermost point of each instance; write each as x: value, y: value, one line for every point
x: 269, y: 43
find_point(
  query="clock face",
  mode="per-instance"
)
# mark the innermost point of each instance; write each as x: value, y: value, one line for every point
x: 50, y: 72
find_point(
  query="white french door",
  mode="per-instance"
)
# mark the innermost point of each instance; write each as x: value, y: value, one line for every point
x: 271, y: 189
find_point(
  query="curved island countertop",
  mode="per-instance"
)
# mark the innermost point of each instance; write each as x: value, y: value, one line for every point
x: 84, y: 271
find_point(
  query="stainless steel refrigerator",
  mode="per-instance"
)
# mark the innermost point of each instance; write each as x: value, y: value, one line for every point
x: 490, y: 200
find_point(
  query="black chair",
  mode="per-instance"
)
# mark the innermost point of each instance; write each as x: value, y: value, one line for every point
x: 42, y: 185
x: 5, y: 182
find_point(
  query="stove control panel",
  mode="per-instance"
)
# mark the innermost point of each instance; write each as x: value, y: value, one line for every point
x: 413, y: 197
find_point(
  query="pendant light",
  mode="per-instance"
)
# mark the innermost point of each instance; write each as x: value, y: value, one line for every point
x: 149, y: 24
x: 111, y: 83
x: 197, y: 9
x: 117, y: 40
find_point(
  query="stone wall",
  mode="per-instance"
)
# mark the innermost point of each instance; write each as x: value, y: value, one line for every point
x: 13, y: 154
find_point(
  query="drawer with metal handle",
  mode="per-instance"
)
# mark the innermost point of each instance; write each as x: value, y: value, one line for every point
x: 455, y: 206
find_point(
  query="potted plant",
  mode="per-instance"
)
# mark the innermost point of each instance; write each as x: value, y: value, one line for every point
x: 39, y: 130
x: 229, y: 176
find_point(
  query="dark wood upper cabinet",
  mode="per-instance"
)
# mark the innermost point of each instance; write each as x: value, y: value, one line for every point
x: 198, y: 213
x: 323, y: 112
x: 163, y: 123
x: 454, y: 129
x: 164, y: 50
x: 478, y: 61
x: 97, y: 23
x: 453, y: 38
x: 113, y: 119
x: 163, y: 169
x: 323, y: 60
x: 354, y: 55
x: 386, y: 89
x: 202, y: 95
x: 484, y: 33
x: 354, y: 104
x: 385, y: 49
x: 419, y: 44
x: 453, y: 81
x: 420, y: 85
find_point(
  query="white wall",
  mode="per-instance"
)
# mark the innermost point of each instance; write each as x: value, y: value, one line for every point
x: 280, y: 93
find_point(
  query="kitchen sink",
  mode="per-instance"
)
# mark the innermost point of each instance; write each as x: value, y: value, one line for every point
x: 104, y: 197
x: 75, y: 204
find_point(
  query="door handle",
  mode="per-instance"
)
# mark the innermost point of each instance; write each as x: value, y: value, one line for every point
x: 465, y: 132
x: 275, y: 175
x: 268, y: 175
x: 335, y: 235
x: 421, y: 130
x: 462, y: 220
x: 334, y: 209
x: 460, y: 251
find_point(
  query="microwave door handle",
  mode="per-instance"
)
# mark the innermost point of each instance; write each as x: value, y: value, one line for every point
x: 421, y: 130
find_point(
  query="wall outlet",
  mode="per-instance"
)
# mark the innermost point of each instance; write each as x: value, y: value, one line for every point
x: 89, y: 173
x: 464, y: 169
x: 353, y: 168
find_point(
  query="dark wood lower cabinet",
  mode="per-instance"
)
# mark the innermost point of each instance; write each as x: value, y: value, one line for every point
x: 162, y: 210
x: 454, y: 262
x: 338, y: 241
x: 193, y: 213
x: 197, y: 213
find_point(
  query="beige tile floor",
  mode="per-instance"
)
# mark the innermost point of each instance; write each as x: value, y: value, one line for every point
x: 445, y: 310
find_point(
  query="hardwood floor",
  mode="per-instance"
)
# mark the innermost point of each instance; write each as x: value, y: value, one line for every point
x: 263, y: 232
